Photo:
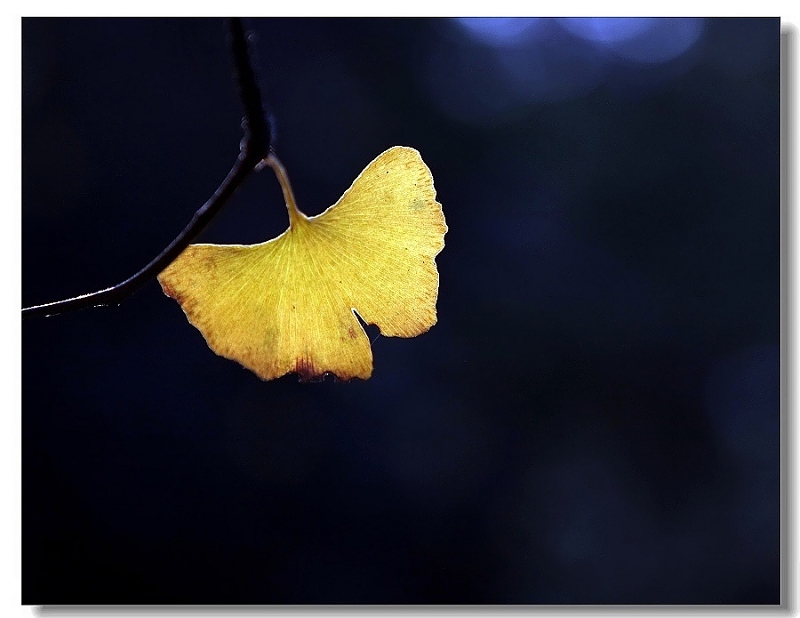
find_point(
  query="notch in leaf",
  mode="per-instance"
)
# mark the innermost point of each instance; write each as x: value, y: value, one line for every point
x: 289, y: 304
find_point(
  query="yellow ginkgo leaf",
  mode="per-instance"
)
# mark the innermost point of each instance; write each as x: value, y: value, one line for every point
x: 289, y: 304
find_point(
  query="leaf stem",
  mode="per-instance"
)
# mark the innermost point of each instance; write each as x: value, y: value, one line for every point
x: 296, y: 217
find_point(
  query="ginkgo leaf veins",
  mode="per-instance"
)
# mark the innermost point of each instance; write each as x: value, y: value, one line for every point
x: 288, y: 305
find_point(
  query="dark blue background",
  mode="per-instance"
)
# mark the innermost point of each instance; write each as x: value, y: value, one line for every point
x: 595, y: 417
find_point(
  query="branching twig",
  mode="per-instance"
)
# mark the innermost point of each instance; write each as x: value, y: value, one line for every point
x: 254, y: 147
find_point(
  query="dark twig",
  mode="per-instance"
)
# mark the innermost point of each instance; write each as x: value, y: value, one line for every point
x: 254, y: 147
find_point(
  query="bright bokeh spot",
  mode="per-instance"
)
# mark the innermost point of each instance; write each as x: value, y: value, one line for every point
x: 499, y: 31
x: 638, y: 39
x: 669, y: 39
x: 607, y: 29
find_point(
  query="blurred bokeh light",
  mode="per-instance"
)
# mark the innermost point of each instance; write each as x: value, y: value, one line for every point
x: 640, y: 39
x: 501, y: 31
x: 491, y: 67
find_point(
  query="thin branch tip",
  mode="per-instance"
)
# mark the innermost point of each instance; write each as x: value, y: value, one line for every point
x: 253, y: 149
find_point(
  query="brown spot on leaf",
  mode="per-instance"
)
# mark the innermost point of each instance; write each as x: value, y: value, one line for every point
x: 304, y: 367
x: 169, y: 289
x: 352, y: 332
